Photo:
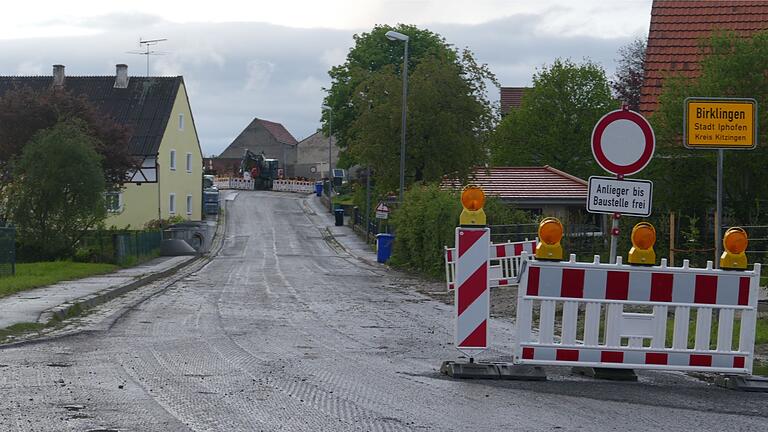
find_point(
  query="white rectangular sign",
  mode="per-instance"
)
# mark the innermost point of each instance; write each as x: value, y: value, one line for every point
x: 628, y: 197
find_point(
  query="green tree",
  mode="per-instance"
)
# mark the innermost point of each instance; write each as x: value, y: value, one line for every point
x: 731, y: 66
x: 448, y: 109
x: 58, y: 191
x: 554, y: 124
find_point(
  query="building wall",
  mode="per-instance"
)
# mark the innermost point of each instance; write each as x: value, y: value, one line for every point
x: 257, y: 139
x: 141, y: 202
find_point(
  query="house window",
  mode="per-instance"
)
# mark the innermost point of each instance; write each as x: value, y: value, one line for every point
x: 172, y: 203
x: 181, y: 122
x: 114, y: 202
x: 189, y: 205
x: 189, y: 162
x: 172, y: 163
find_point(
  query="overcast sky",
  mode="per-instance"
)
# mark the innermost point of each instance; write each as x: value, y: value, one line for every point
x: 269, y: 59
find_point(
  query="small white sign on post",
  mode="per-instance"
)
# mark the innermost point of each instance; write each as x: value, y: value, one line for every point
x: 382, y: 211
x: 628, y: 197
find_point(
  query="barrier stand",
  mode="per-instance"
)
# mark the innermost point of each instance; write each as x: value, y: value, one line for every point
x: 472, y: 296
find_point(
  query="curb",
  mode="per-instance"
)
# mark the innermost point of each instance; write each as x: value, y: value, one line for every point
x: 70, y: 308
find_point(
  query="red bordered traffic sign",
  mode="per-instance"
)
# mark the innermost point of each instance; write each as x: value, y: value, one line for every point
x: 623, y: 142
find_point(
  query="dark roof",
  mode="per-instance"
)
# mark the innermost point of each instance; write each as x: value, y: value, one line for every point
x: 145, y: 105
x: 677, y: 29
x: 512, y: 97
x: 521, y: 184
x: 278, y: 131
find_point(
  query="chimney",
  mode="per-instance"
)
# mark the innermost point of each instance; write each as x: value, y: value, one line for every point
x: 58, y: 76
x: 121, y: 77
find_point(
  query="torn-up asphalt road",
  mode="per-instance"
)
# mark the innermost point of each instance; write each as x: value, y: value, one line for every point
x: 282, y: 331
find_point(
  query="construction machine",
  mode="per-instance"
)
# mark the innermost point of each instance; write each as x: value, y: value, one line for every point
x: 261, y: 170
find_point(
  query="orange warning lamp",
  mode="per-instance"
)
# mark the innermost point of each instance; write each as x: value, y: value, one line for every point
x: 550, y: 234
x: 473, y: 200
x: 643, y: 238
x: 735, y: 243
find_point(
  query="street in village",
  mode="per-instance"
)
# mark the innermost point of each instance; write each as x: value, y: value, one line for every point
x: 292, y: 325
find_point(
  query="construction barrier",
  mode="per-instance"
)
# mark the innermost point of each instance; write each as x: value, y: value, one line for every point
x: 566, y: 300
x: 299, y: 186
x: 472, y: 294
x: 505, y: 262
x: 234, y: 183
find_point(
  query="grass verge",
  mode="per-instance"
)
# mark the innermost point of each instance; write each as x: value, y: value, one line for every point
x: 35, y: 275
x: 20, y: 329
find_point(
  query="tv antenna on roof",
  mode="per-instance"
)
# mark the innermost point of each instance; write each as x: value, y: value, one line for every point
x: 147, y: 43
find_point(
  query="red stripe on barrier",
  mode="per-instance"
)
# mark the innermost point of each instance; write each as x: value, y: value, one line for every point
x: 472, y: 288
x: 617, y: 285
x: 468, y: 239
x: 533, y: 281
x: 476, y: 339
x: 738, y: 362
x: 567, y: 355
x: 656, y: 358
x: 528, y: 353
x: 572, y: 285
x: 661, y: 286
x: 706, y: 289
x: 700, y: 360
x: 743, y: 291
x: 612, y: 357
x: 518, y: 249
x: 449, y: 254
x: 503, y: 282
x: 450, y: 286
x: 501, y: 251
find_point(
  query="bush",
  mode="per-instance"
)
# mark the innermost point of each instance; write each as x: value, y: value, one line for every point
x: 426, y: 223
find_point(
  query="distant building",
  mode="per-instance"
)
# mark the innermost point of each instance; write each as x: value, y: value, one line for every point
x: 511, y: 98
x: 312, y: 156
x: 263, y: 136
x: 677, y: 30
x: 164, y: 137
x: 540, y: 190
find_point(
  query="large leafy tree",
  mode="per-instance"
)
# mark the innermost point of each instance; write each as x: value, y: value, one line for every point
x: 554, y: 124
x: 25, y: 112
x: 630, y: 68
x: 731, y: 66
x: 448, y: 113
x: 58, y: 190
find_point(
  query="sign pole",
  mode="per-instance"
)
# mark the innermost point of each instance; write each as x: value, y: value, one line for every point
x: 719, y: 209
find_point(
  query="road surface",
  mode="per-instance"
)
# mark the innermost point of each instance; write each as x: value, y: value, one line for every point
x: 284, y: 331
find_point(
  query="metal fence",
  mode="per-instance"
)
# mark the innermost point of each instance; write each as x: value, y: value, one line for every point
x: 121, y: 248
x: 7, y: 251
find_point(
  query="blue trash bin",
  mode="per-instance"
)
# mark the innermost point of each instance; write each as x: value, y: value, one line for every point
x: 319, y: 188
x: 384, y: 246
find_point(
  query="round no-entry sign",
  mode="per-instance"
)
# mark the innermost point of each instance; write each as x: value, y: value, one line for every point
x: 623, y: 142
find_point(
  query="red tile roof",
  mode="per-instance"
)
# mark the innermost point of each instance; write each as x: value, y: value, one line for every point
x: 677, y: 28
x: 279, y: 131
x: 521, y: 184
x: 511, y: 97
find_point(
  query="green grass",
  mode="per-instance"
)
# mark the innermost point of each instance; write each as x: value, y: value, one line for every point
x: 35, y: 275
x: 20, y: 329
x: 343, y: 199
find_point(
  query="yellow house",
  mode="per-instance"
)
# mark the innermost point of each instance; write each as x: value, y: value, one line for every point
x: 163, y: 137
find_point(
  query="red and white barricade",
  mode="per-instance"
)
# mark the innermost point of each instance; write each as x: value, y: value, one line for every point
x: 472, y: 294
x: 234, y: 183
x: 299, y: 186
x: 505, y: 262
x: 566, y: 300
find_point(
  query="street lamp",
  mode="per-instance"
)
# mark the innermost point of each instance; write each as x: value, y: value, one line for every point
x: 330, y: 160
x: 393, y: 35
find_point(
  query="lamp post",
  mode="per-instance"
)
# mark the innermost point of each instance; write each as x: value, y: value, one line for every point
x: 330, y: 159
x: 393, y: 35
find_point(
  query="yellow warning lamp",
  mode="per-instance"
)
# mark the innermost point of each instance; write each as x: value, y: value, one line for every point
x: 473, y: 200
x: 643, y: 238
x: 550, y: 234
x: 735, y: 243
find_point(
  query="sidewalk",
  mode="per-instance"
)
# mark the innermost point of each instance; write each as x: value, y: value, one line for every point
x: 343, y: 235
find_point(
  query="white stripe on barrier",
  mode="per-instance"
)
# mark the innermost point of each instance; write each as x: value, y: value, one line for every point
x: 636, y: 339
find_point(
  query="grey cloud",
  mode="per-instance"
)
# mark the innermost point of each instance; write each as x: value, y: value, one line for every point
x: 283, y: 69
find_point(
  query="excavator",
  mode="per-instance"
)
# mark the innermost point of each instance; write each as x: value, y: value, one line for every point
x: 263, y: 171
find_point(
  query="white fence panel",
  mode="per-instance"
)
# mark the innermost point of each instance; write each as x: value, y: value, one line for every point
x: 505, y: 262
